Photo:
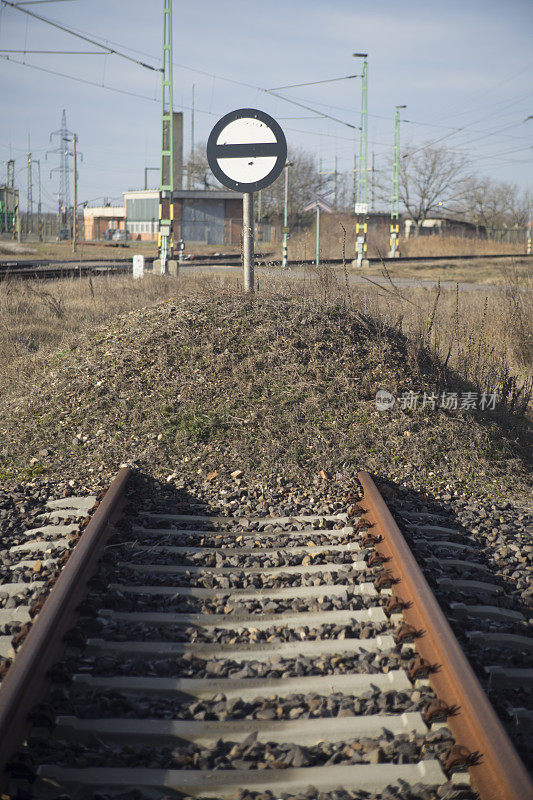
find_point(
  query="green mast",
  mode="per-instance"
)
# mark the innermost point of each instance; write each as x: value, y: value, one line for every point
x: 361, y: 205
x: 166, y: 207
x: 395, y: 199
x: 362, y: 177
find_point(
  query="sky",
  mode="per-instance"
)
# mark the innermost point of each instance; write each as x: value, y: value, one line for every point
x: 463, y: 68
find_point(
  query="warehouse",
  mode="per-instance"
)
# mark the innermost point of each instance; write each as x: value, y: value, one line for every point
x: 200, y: 217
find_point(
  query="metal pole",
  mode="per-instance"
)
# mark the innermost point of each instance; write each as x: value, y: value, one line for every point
x: 528, y: 231
x: 166, y: 188
x: 354, y: 181
x: 285, y: 218
x: 248, y: 240
x: 39, y: 205
x: 361, y: 206
x: 336, y: 185
x: 29, y: 213
x: 372, y: 182
x: 17, y: 223
x: 191, y: 160
x: 75, y: 206
x: 317, y: 257
x: 395, y: 200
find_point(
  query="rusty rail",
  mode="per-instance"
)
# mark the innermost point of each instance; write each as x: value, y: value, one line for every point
x: 496, y: 770
x: 27, y: 679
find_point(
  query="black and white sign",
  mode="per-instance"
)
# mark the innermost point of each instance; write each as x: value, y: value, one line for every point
x: 246, y: 150
x: 319, y: 202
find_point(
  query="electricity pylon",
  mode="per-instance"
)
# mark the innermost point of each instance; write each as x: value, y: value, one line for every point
x: 64, y: 151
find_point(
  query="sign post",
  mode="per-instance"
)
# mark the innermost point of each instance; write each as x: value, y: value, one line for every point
x: 246, y: 151
x: 317, y: 203
x: 248, y: 240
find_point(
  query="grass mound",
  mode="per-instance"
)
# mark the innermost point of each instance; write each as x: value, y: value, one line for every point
x: 265, y: 386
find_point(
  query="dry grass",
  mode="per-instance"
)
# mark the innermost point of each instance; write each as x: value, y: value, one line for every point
x: 496, y: 272
x: 37, y: 317
x: 303, y: 244
x: 486, y: 340
x: 62, y: 251
x: 455, y: 245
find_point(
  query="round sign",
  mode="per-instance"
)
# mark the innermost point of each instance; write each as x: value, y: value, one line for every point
x: 246, y: 150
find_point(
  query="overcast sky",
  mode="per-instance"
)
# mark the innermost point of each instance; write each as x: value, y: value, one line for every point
x: 464, y: 69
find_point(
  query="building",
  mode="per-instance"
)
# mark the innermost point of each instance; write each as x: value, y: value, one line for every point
x: 98, y: 220
x: 200, y: 217
x: 443, y: 226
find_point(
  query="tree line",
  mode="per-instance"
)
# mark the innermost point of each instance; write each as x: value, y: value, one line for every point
x: 432, y: 181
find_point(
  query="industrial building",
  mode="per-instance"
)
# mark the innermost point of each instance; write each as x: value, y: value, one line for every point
x: 99, y: 219
x: 200, y: 217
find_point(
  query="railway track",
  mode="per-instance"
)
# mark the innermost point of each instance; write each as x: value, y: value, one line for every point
x: 53, y: 270
x: 50, y: 270
x: 210, y: 655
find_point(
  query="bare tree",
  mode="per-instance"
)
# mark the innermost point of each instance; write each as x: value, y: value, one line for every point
x: 430, y: 178
x: 197, y: 169
x: 303, y: 176
x: 494, y: 204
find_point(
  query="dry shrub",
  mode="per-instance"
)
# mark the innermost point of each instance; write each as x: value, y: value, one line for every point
x: 37, y: 317
x: 486, y: 339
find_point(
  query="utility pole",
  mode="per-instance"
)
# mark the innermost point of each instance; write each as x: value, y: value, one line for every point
x: 39, y: 206
x: 191, y: 159
x: 75, y: 206
x: 29, y: 213
x: 285, y: 217
x: 317, y: 243
x: 336, y: 185
x: 361, y: 206
x: 166, y: 189
x: 395, y: 199
x: 354, y: 181
x: 528, y: 226
x: 372, y: 182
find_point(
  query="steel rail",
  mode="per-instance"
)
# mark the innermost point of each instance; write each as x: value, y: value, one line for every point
x: 497, y: 772
x: 402, y: 259
x: 27, y: 679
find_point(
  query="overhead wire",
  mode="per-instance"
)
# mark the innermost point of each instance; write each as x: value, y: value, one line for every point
x: 312, y: 83
x: 106, y: 49
x: 57, y: 52
x: 65, y: 29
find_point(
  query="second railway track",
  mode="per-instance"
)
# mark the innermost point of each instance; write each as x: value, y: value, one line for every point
x: 300, y: 657
x: 52, y: 270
